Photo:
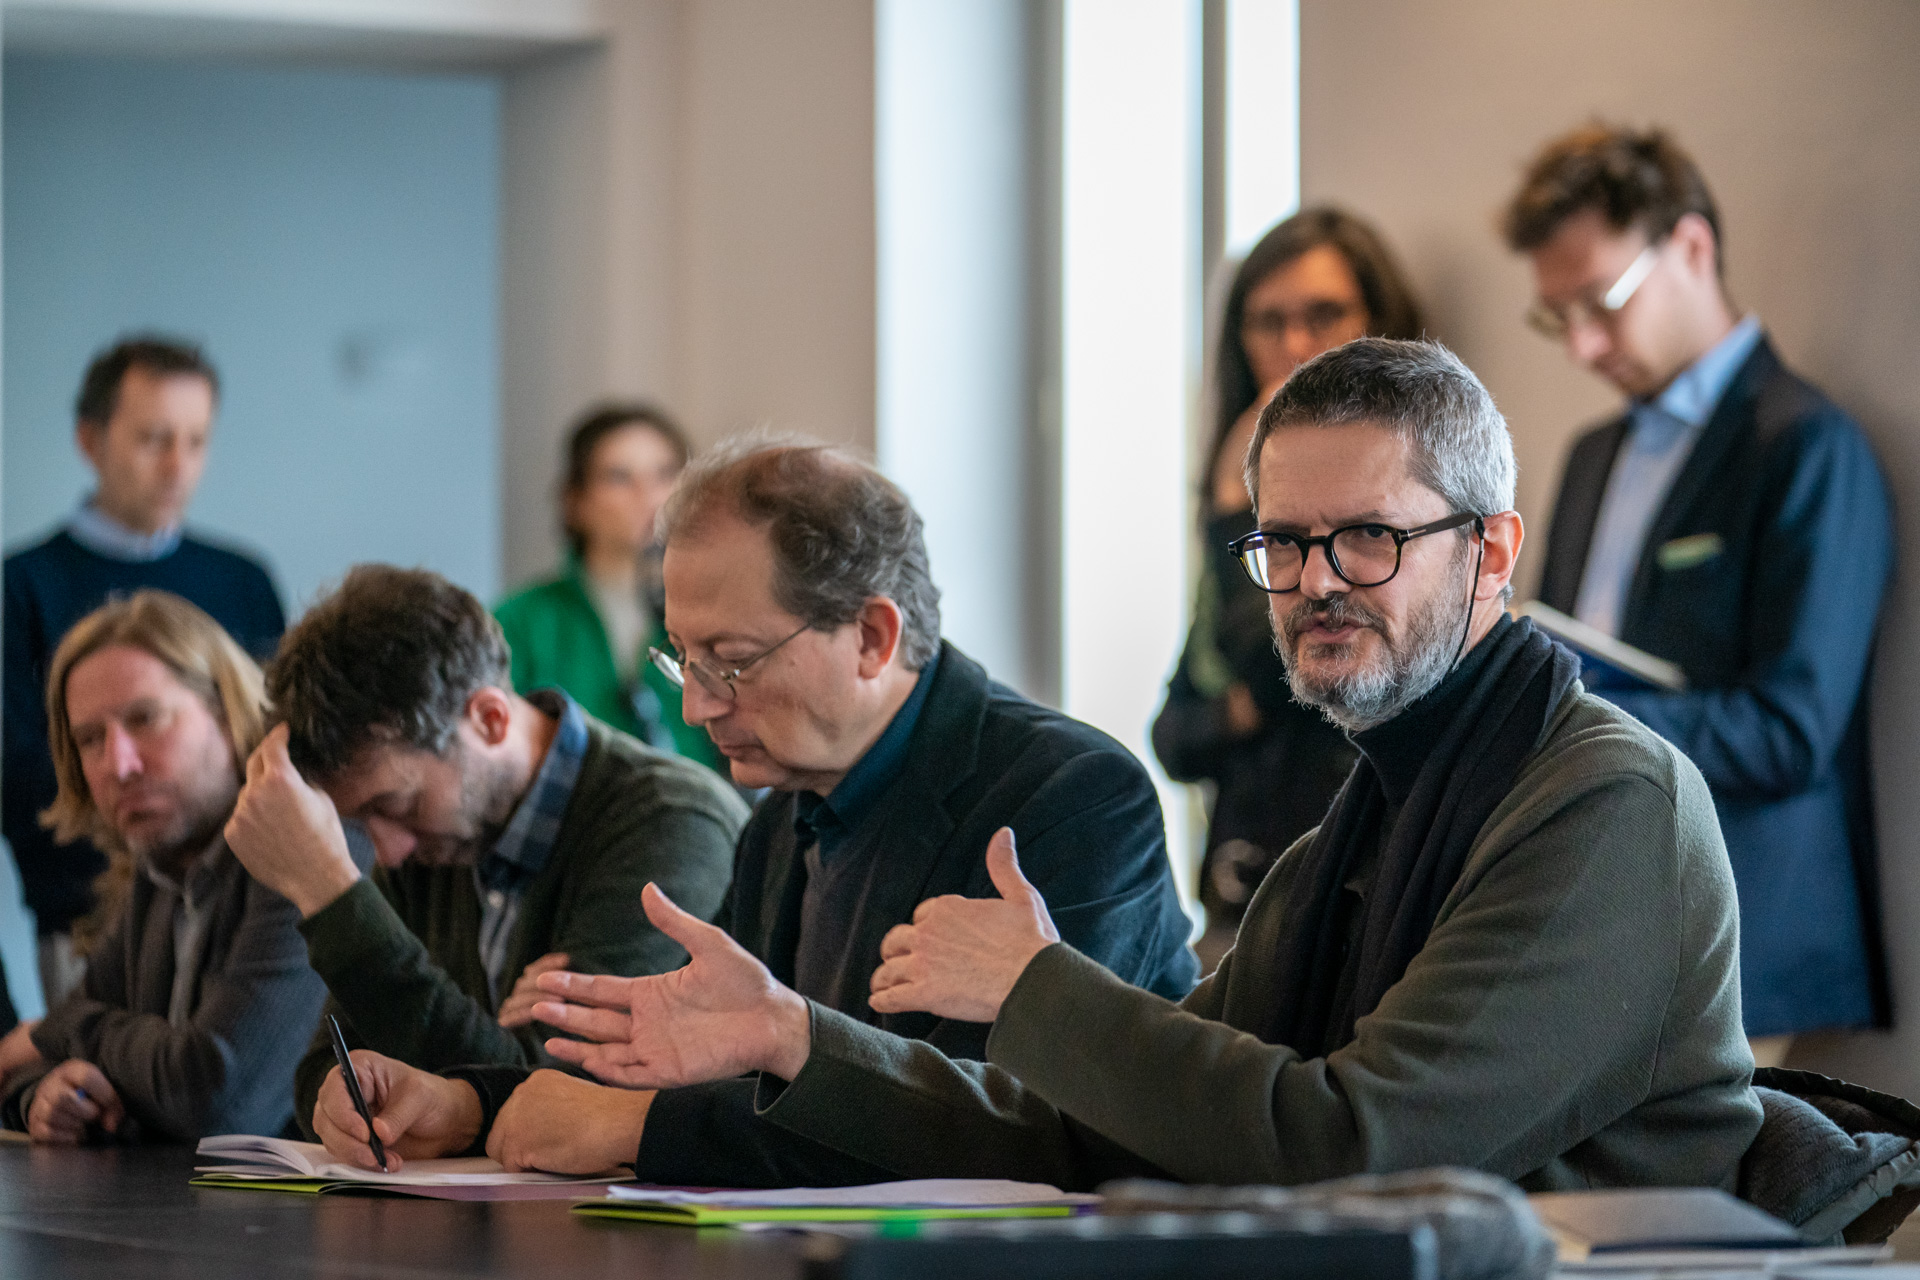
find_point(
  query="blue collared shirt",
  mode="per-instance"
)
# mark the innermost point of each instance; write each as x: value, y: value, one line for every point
x: 526, y: 844
x: 101, y: 534
x: 1657, y: 446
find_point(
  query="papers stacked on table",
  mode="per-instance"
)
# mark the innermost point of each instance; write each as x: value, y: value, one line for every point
x: 917, y: 1201
x: 277, y: 1164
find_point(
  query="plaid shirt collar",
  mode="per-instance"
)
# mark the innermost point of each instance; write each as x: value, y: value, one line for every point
x: 526, y: 844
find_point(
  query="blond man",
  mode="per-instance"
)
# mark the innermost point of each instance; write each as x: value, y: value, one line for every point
x: 198, y: 999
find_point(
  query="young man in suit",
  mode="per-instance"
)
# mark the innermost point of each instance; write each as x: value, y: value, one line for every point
x: 806, y: 628
x: 143, y: 421
x: 1735, y: 521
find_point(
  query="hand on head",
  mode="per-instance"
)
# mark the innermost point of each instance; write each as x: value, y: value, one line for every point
x: 557, y: 1123
x: 517, y: 1009
x: 417, y: 1114
x: 68, y: 1099
x: 961, y: 956
x: 286, y: 831
x: 721, y: 1015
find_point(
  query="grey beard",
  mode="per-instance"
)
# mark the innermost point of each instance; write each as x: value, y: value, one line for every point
x: 1369, y: 698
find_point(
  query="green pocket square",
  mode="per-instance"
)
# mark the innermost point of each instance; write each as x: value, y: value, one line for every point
x: 1686, y: 553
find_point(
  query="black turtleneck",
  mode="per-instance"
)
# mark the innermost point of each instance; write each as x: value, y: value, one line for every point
x: 1399, y: 748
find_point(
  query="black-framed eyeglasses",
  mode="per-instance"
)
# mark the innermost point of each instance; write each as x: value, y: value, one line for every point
x: 715, y: 680
x: 1363, y: 555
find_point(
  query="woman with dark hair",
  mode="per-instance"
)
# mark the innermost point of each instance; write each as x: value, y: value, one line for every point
x: 588, y: 629
x: 1317, y: 280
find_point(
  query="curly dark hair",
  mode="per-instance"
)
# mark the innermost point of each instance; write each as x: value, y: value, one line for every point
x: 391, y: 656
x: 842, y: 533
x: 1392, y: 309
x: 1632, y: 177
x: 156, y: 353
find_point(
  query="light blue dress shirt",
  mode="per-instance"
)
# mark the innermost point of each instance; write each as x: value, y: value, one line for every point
x: 1657, y: 446
x: 101, y: 534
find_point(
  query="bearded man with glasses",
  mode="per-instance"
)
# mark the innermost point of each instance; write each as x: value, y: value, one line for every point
x: 1733, y: 521
x: 1511, y: 945
x: 805, y: 628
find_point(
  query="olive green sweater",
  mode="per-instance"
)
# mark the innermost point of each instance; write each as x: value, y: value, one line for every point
x: 400, y: 951
x: 1573, y: 1021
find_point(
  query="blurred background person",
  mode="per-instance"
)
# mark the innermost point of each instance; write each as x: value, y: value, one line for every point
x: 1320, y: 278
x: 1734, y: 520
x: 587, y: 630
x: 143, y: 421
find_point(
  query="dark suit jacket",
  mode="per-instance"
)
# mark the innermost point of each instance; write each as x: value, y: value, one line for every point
x: 981, y: 757
x: 1762, y: 576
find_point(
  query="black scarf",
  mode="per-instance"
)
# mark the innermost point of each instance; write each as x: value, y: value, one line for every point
x: 1447, y: 761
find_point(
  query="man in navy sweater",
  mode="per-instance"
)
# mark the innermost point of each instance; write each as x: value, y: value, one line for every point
x: 144, y: 415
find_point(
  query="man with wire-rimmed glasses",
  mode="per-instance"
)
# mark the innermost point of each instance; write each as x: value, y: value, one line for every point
x: 805, y: 632
x: 1733, y: 521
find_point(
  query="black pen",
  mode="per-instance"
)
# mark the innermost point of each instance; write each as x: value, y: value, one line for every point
x: 353, y: 1090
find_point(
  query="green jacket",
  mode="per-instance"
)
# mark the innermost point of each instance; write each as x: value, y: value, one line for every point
x: 400, y: 951
x: 557, y: 639
x: 1573, y: 1021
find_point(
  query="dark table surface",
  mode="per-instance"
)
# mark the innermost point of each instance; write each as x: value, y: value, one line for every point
x: 128, y: 1212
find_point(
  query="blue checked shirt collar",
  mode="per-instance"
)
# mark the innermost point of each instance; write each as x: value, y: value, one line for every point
x: 526, y: 845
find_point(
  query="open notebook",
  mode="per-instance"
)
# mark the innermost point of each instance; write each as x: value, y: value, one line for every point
x: 880, y: 1202
x: 277, y: 1164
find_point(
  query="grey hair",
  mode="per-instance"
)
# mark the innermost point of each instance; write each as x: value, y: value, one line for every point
x: 842, y: 533
x: 1460, y: 446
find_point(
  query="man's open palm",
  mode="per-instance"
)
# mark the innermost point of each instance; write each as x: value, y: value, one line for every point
x: 721, y: 1015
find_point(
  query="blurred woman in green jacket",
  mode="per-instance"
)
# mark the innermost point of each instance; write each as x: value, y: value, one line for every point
x: 587, y: 630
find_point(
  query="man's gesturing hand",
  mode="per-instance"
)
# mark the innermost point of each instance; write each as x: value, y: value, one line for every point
x: 287, y: 833
x: 961, y: 956
x: 418, y: 1115
x: 720, y: 1016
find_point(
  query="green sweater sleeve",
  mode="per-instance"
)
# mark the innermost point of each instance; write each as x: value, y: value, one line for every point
x: 402, y: 965
x: 392, y: 997
x: 1584, y: 968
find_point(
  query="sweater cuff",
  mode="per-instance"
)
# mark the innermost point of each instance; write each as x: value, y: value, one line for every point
x: 494, y: 1084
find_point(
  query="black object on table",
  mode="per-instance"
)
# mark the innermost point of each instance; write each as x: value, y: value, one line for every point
x: 127, y: 1213
x: 1225, y: 1246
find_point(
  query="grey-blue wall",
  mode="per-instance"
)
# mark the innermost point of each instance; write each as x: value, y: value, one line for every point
x: 332, y: 238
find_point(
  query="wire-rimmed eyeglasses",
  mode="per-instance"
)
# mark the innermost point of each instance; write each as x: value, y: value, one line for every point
x: 1558, y: 322
x: 1363, y: 555
x: 716, y: 681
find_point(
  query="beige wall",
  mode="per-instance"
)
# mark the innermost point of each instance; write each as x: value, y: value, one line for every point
x: 689, y: 216
x: 1805, y: 115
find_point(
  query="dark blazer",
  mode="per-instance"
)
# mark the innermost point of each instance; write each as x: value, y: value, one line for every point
x: 1762, y: 576
x: 981, y: 757
x: 229, y: 1068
